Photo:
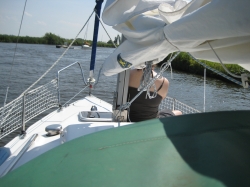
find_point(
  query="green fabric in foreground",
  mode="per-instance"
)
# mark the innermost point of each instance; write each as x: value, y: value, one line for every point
x: 206, y: 149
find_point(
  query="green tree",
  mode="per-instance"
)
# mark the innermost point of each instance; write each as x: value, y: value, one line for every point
x: 53, y: 39
x: 110, y: 42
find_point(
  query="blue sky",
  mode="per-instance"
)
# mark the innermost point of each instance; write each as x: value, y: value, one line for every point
x: 61, y: 17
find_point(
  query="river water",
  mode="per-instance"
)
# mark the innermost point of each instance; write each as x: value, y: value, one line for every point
x: 31, y: 61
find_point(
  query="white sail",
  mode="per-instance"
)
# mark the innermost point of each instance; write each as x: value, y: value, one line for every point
x: 178, y: 26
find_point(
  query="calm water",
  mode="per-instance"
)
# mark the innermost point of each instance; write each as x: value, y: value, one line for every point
x: 31, y: 61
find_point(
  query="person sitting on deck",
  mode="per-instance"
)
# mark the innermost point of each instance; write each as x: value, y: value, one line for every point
x: 143, y: 108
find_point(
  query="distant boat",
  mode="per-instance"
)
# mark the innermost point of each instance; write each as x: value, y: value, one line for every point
x: 85, y: 46
x: 64, y: 46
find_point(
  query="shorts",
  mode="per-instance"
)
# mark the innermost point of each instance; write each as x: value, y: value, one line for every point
x: 165, y: 113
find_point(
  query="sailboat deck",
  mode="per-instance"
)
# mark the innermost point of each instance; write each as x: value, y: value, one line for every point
x: 72, y: 127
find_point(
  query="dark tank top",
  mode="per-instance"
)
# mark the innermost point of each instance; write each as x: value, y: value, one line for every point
x: 143, y: 108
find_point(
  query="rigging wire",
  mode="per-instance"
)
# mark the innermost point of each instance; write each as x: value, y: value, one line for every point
x: 9, y: 79
x: 75, y: 96
x: 23, y: 93
x: 105, y: 29
x: 110, y: 40
x: 86, y: 32
x: 204, y: 105
x: 59, y: 57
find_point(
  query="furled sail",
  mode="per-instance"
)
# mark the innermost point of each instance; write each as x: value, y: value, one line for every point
x: 155, y: 28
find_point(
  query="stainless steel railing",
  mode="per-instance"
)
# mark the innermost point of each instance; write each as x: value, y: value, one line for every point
x: 174, y: 104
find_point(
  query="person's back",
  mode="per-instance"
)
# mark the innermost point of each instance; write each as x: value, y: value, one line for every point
x: 144, y: 108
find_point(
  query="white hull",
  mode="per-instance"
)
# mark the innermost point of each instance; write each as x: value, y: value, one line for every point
x: 86, y: 47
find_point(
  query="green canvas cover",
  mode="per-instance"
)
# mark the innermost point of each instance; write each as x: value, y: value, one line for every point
x: 206, y: 149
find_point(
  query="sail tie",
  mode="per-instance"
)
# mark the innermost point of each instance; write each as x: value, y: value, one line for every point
x: 145, y: 79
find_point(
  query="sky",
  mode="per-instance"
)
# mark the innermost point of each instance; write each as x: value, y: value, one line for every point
x: 64, y: 18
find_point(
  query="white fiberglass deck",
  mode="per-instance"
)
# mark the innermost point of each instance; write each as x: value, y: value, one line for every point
x: 72, y: 127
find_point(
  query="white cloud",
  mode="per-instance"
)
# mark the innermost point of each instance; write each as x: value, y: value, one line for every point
x: 70, y: 24
x: 28, y: 14
x: 41, y: 23
x: 7, y: 19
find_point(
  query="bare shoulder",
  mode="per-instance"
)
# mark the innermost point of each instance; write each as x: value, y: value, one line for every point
x: 166, y: 82
x: 164, y: 90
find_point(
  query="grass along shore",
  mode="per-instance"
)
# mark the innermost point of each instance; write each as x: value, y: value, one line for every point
x: 183, y: 62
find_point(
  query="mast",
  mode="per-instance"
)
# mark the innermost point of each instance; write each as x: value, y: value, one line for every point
x: 91, y: 79
x: 95, y: 36
x: 121, y: 94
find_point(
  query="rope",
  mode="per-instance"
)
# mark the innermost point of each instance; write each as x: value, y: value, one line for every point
x: 233, y: 75
x: 243, y: 77
x: 169, y: 63
x: 215, y: 71
x: 145, y: 79
x: 164, y: 67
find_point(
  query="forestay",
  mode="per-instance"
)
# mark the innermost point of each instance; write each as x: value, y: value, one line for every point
x: 156, y: 28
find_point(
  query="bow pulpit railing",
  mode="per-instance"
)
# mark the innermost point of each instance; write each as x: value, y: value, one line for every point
x: 15, y: 114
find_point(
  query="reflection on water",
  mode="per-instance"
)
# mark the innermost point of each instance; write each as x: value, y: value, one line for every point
x: 33, y: 60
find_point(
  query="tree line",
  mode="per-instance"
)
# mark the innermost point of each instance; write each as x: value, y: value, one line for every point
x: 51, y: 39
x: 183, y: 62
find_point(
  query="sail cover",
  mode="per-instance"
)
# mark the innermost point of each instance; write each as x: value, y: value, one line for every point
x: 189, y: 150
x: 156, y: 28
